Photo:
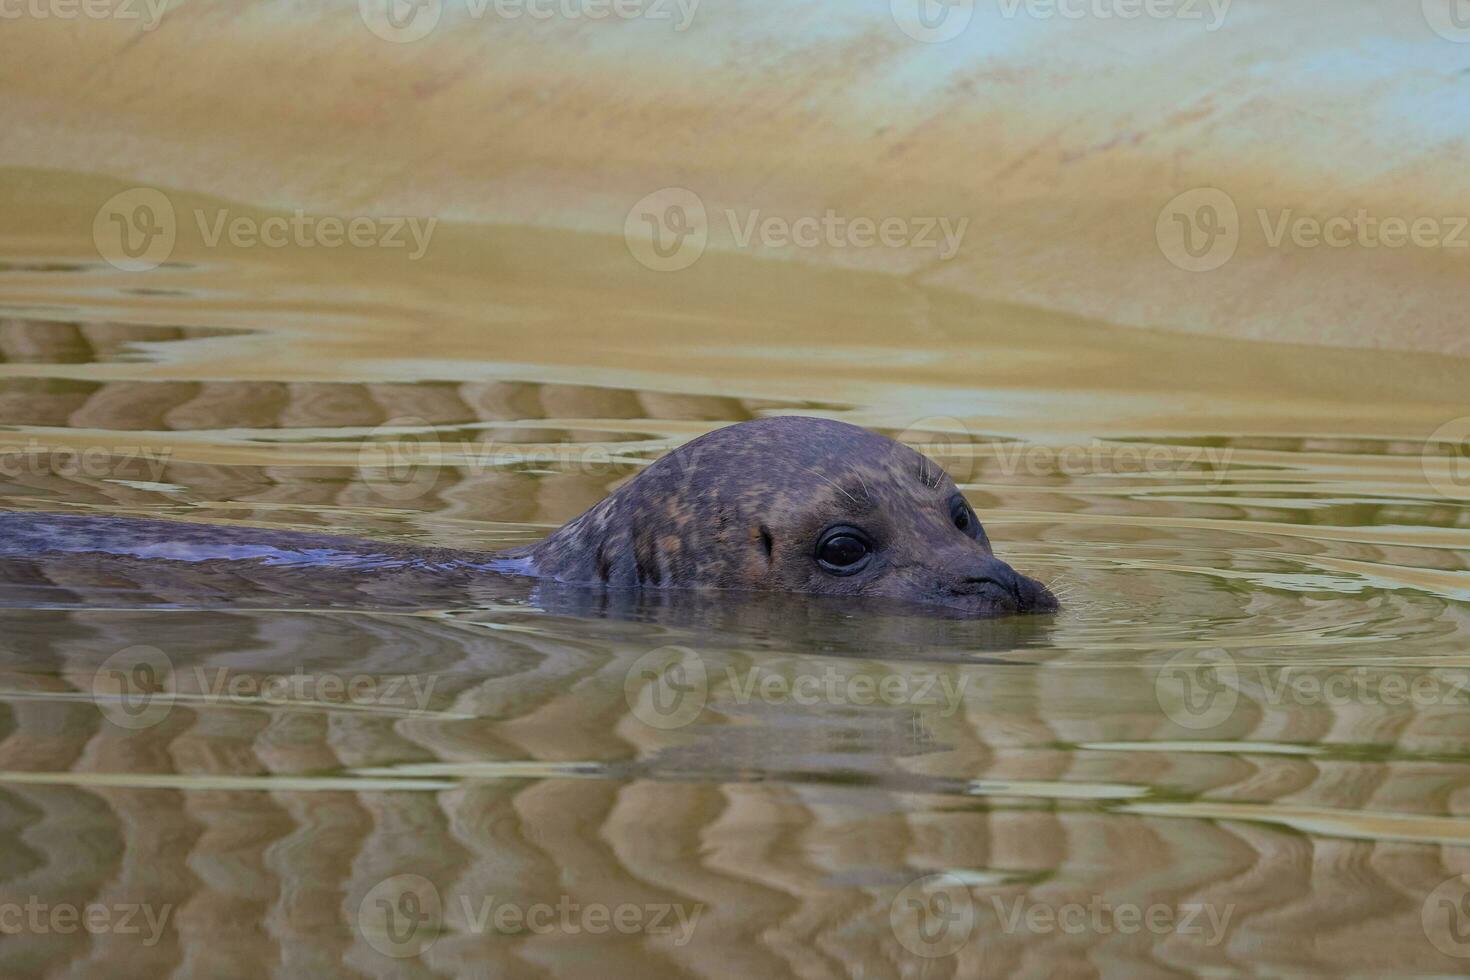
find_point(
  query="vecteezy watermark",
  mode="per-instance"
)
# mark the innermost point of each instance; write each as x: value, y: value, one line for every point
x: 39, y: 918
x: 1445, y: 917
x: 933, y: 916
x: 1100, y: 917
x: 1099, y: 457
x: 1211, y: 12
x: 150, y: 12
x: 936, y: 915
x: 669, y: 230
x: 932, y: 21
x: 401, y: 460
x: 1450, y: 19
x: 1198, y: 690
x: 951, y: 443
x: 137, y: 230
x: 1362, y: 230
x: 942, y: 234
x: 936, y: 21
x: 137, y: 688
x: 1200, y: 230
x: 403, y: 21
x: 668, y: 688
x: 1201, y: 689
x: 303, y: 230
x: 1446, y: 458
x: 34, y: 458
x: 805, y: 687
x: 402, y: 916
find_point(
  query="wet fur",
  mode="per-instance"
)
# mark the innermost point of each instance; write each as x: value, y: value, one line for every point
x: 740, y: 508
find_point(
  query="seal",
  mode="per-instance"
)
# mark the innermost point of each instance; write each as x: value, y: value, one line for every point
x: 785, y: 504
x: 792, y: 504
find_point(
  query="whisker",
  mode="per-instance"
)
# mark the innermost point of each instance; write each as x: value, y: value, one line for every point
x: 833, y: 483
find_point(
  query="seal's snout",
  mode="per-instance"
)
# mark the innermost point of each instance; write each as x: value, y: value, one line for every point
x: 989, y: 574
x: 986, y: 582
x: 1035, y: 597
x: 992, y: 582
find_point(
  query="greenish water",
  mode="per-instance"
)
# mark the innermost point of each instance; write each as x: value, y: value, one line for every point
x: 1242, y: 746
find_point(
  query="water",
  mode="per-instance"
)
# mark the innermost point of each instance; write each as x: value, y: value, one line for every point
x: 1241, y: 746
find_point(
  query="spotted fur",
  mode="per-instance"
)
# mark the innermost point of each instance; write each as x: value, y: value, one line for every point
x: 741, y: 508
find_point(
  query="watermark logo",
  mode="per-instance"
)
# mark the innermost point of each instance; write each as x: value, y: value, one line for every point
x: 400, y: 460
x: 667, y: 688
x: 401, y: 916
x: 932, y: 21
x: 132, y: 687
x: 1445, y: 917
x: 668, y: 230
x: 1449, y: 474
x: 135, y: 230
x: 401, y: 21
x: 933, y: 916
x: 150, y: 12
x: 946, y: 440
x: 1199, y: 230
x: 1198, y: 689
x: 1450, y: 19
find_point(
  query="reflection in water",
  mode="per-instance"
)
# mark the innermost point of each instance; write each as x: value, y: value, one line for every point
x: 1250, y: 715
x: 48, y: 342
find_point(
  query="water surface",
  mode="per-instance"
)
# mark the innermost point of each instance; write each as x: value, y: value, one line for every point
x: 1241, y: 746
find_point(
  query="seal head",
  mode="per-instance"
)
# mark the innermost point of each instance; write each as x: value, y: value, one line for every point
x: 792, y: 504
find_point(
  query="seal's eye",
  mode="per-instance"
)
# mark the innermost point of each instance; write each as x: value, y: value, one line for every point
x: 843, y: 550
x: 964, y: 518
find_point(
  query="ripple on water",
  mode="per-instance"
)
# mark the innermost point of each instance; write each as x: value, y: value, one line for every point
x: 1210, y: 720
